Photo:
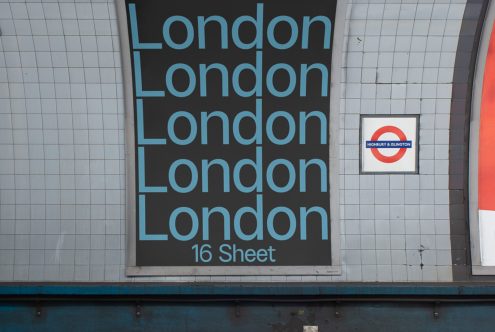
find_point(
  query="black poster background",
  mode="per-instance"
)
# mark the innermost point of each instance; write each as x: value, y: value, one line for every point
x: 154, y: 63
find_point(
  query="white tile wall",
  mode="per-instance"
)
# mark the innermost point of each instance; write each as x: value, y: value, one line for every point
x: 62, y: 175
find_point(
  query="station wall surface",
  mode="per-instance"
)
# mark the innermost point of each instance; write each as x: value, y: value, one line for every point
x: 62, y: 153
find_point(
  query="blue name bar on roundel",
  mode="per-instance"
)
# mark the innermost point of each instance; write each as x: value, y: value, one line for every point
x: 388, y: 144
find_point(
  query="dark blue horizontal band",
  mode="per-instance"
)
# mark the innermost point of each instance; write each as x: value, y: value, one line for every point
x: 388, y: 144
x: 344, y: 289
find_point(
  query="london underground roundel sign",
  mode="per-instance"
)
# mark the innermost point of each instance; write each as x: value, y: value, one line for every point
x: 389, y: 144
x: 375, y: 144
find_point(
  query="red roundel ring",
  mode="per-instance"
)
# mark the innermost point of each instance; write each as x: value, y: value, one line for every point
x: 399, y: 154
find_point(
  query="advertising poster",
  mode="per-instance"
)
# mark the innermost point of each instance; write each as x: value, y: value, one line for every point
x: 231, y: 132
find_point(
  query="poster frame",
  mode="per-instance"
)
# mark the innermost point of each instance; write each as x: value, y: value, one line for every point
x: 364, y: 116
x: 334, y: 269
x: 474, y: 225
